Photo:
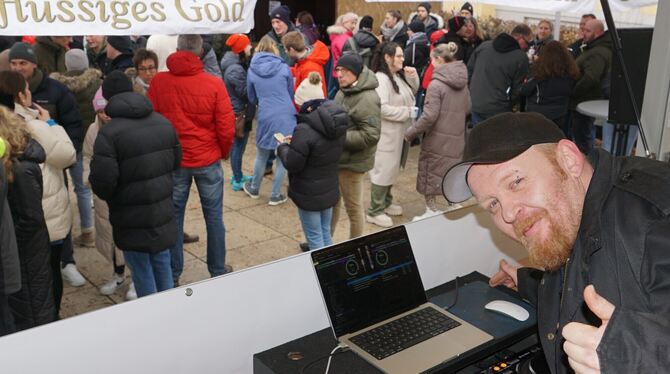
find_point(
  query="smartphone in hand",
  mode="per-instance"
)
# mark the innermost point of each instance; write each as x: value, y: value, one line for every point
x: 280, y: 137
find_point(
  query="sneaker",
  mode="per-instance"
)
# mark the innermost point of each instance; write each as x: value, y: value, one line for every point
x: 131, y: 294
x: 72, y: 275
x: 111, y: 286
x: 252, y: 194
x: 429, y: 213
x: 381, y: 220
x: 238, y: 185
x: 86, y: 239
x: 393, y: 210
x: 188, y: 238
x: 304, y: 247
x: 281, y: 199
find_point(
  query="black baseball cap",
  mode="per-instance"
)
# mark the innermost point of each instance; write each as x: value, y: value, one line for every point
x: 495, y: 140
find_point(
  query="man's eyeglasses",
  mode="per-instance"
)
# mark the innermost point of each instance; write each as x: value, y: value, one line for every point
x: 148, y: 68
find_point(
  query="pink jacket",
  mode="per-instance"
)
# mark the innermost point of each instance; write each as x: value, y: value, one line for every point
x: 338, y: 36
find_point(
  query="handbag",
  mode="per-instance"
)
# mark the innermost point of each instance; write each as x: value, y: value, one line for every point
x: 240, y: 119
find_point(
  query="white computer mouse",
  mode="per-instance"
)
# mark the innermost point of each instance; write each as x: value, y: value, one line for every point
x: 509, y: 309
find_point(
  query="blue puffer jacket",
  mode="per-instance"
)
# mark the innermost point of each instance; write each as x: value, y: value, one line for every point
x: 270, y: 86
x: 235, y: 78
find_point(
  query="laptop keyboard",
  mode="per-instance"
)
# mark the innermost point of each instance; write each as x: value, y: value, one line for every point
x: 404, y: 332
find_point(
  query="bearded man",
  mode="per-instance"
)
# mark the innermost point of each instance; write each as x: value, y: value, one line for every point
x: 598, y: 226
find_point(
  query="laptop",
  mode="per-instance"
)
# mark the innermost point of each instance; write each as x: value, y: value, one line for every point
x: 377, y: 305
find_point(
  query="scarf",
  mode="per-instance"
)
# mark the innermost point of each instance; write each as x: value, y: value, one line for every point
x: 391, y: 33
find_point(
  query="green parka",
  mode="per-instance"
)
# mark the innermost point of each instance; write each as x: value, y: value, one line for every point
x: 594, y: 65
x: 364, y: 108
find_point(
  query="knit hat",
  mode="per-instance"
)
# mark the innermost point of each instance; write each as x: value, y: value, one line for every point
x: 282, y: 13
x: 426, y: 5
x: 99, y: 102
x: 22, y: 51
x: 417, y: 26
x: 115, y: 83
x: 237, y: 43
x: 351, y: 62
x: 76, y: 59
x: 366, y: 22
x: 122, y: 44
x: 467, y: 6
x: 309, y: 89
x: 456, y: 23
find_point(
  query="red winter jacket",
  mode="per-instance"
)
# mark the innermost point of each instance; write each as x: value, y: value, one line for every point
x: 198, y: 106
x: 315, y: 61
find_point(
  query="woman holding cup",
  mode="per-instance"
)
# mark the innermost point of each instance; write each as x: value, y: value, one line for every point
x: 397, y: 91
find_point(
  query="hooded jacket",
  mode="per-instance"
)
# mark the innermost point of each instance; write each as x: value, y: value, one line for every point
x: 60, y: 155
x: 417, y: 52
x: 98, y: 60
x: 622, y: 249
x: 198, y: 106
x: 443, y: 125
x: 312, y: 157
x: 364, y: 43
x: 33, y: 305
x: 83, y: 84
x: 316, y: 59
x: 50, y: 56
x: 433, y: 23
x: 209, y: 62
x: 496, y: 72
x: 121, y: 63
x: 270, y: 86
x: 363, y: 105
x: 594, y: 64
x: 280, y: 46
x: 133, y: 159
x: 338, y: 36
x: 235, y: 78
x: 549, y: 97
x: 311, y: 33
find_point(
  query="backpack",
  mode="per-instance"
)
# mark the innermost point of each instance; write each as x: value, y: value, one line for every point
x: 364, y: 53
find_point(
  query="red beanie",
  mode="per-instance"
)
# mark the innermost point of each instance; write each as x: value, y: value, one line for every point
x: 237, y: 43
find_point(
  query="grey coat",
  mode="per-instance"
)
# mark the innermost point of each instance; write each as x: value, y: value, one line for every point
x: 443, y: 123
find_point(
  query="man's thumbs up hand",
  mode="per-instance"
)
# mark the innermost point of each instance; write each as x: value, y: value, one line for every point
x: 581, y: 340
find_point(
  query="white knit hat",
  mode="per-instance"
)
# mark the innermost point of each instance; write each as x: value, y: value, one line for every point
x: 309, y: 89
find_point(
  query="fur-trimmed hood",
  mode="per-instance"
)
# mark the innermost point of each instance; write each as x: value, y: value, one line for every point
x: 77, y: 81
x: 435, y: 16
x: 336, y: 30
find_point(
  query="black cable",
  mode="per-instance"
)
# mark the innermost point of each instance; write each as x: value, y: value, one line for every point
x: 455, y: 296
x: 342, y: 349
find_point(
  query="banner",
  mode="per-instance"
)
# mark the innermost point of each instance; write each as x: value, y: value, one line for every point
x: 125, y: 17
x: 565, y: 6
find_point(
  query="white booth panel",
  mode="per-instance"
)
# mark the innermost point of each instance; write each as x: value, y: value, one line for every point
x: 225, y: 320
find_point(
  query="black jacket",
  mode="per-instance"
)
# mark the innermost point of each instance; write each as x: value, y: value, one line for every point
x: 61, y: 104
x: 120, y: 63
x: 33, y: 305
x: 417, y: 52
x: 496, y: 70
x: 364, y: 43
x: 622, y: 248
x: 465, y: 47
x: 10, y: 271
x: 133, y: 160
x: 313, y: 155
x: 549, y: 97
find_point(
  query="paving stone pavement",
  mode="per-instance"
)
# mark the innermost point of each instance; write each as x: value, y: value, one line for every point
x: 256, y: 233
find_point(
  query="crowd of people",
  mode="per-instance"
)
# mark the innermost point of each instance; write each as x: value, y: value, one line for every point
x: 136, y: 120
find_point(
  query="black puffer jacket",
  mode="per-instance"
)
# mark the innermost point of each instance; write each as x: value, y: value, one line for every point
x: 33, y: 305
x: 10, y: 270
x: 313, y: 155
x: 61, y: 104
x: 549, y: 97
x: 133, y: 159
x: 364, y: 43
x: 120, y: 63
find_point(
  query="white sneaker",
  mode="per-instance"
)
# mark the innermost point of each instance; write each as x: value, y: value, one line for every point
x: 131, y: 294
x: 429, y: 213
x: 393, y: 210
x: 114, y: 284
x: 381, y: 220
x: 72, y: 275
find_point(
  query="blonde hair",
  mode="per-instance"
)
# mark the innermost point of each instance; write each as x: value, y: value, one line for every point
x: 14, y: 132
x: 551, y: 25
x: 267, y: 45
x: 446, y: 51
x: 346, y: 17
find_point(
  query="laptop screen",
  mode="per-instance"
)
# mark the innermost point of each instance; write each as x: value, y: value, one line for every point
x: 368, y: 279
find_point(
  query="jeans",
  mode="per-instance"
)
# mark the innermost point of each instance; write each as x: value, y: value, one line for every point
x: 582, y: 130
x: 209, y: 181
x: 608, y: 138
x: 262, y: 156
x: 316, y: 226
x: 84, y: 195
x: 236, y: 153
x: 351, y: 190
x: 475, y: 118
x: 151, y: 271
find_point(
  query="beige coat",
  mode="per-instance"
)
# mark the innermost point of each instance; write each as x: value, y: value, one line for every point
x: 60, y: 155
x: 395, y: 120
x: 443, y: 122
x: 104, y: 240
